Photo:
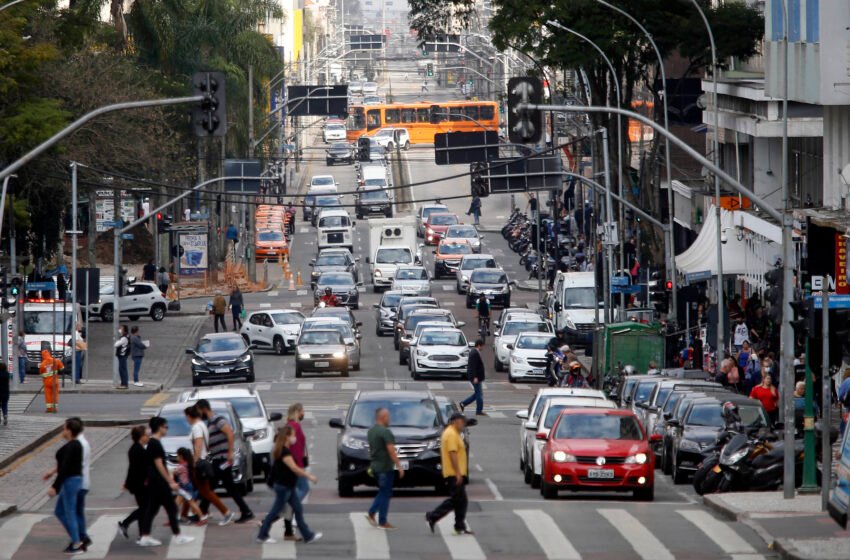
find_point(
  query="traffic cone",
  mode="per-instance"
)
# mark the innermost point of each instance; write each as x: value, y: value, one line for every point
x: 291, y: 284
x: 298, y: 281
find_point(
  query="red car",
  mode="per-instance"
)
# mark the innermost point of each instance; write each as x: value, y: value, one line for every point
x: 436, y: 226
x: 597, y: 450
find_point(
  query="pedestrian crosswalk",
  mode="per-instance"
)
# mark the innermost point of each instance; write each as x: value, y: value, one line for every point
x: 19, y: 402
x: 571, y: 533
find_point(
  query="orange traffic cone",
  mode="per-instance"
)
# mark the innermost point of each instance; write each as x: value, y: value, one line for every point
x: 298, y: 281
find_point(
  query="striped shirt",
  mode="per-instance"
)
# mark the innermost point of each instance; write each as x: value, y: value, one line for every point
x: 218, y: 439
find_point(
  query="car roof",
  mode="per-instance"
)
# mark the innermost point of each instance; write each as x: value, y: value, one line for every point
x: 490, y: 270
x: 580, y: 402
x: 431, y: 311
x: 388, y: 395
x: 290, y: 311
x: 434, y: 205
x: 478, y: 256
x: 334, y: 211
x: 219, y: 336
x: 214, y: 393
x: 215, y: 404
x: 536, y: 334
x: 606, y: 411
x: 571, y: 391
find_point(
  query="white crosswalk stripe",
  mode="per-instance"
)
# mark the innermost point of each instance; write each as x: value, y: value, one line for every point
x: 721, y: 533
x: 547, y: 534
x: 188, y: 551
x: 274, y: 293
x: 281, y: 550
x: 349, y: 386
x: 435, y: 386
x: 305, y: 386
x: 19, y: 402
x: 642, y: 540
x: 14, y: 531
x: 461, y: 547
x: 101, y: 533
x: 372, y: 543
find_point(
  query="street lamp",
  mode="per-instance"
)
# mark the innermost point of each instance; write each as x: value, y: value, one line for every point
x: 10, y: 4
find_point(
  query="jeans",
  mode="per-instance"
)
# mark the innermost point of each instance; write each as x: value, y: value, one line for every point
x: 81, y: 513
x: 456, y: 501
x: 477, y: 396
x: 227, y: 482
x: 137, y: 365
x: 123, y: 374
x: 22, y: 368
x: 237, y: 318
x: 302, y: 488
x: 66, y: 506
x: 381, y: 503
x: 285, y: 495
x: 216, y: 320
x: 79, y: 357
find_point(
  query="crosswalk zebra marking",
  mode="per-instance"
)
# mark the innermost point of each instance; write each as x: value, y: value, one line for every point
x: 435, y: 386
x: 349, y: 386
x: 547, y: 534
x: 281, y: 550
x: 371, y: 543
x: 188, y: 551
x: 274, y: 293
x: 265, y: 305
x: 521, y: 387
x: 461, y: 547
x: 14, y: 531
x: 20, y: 402
x: 301, y: 293
x: 448, y: 288
x: 295, y: 304
x: 496, y: 414
x: 447, y: 304
x: 305, y: 387
x: 101, y: 532
x: 263, y: 386
x: 720, y: 533
x: 642, y: 540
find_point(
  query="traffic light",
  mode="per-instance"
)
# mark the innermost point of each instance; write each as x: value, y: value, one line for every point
x: 209, y: 117
x: 525, y: 126
x: 773, y: 294
x: 363, y: 148
x: 659, y: 293
x: 430, y: 69
x: 478, y: 179
x: 163, y: 223
x: 803, y: 322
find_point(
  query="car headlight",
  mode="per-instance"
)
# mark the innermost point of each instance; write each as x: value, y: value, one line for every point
x: 338, y: 354
x: 517, y: 360
x: 688, y: 445
x: 636, y: 459
x: 562, y: 457
x: 304, y: 356
x: 378, y: 272
x: 429, y: 231
x: 260, y: 434
x: 464, y: 278
x: 421, y: 353
x: 352, y: 291
x: 570, y: 324
x: 354, y: 443
x: 505, y: 289
x: 465, y: 353
x: 197, y: 362
x: 245, y: 358
x: 472, y: 290
x: 434, y: 444
x: 315, y: 273
x: 734, y: 457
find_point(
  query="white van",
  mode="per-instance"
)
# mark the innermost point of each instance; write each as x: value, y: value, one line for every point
x: 335, y: 228
x: 374, y: 176
x: 575, y: 306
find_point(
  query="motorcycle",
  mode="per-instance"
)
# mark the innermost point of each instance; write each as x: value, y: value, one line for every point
x: 755, y: 463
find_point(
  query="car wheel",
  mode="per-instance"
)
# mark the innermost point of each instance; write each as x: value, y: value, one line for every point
x: 679, y: 477
x: 357, y: 305
x: 357, y: 366
x: 279, y: 346
x: 441, y: 488
x: 158, y: 312
x: 511, y: 378
x: 521, y: 464
x: 468, y: 303
x: 106, y: 314
x: 375, y: 288
x: 344, y: 373
x: 527, y: 473
x: 344, y: 489
x: 497, y: 365
x: 549, y: 491
x: 415, y: 375
x: 507, y: 304
x: 389, y: 146
x: 328, y: 162
x: 406, y: 146
x: 378, y: 331
x: 297, y: 371
x: 645, y: 494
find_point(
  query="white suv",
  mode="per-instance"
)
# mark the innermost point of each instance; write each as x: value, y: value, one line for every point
x: 275, y: 329
x: 333, y: 132
x: 248, y: 404
x: 390, y: 138
x: 140, y: 298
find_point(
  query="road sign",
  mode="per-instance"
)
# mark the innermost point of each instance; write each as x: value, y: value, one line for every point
x: 317, y: 100
x: 442, y: 43
x: 625, y: 289
x: 525, y: 125
x: 620, y: 281
x: 40, y: 286
x: 539, y: 173
x: 113, y: 223
x: 242, y: 168
x: 836, y: 301
x: 465, y: 147
x: 127, y: 236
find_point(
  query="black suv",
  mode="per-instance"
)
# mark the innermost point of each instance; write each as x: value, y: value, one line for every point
x: 417, y: 419
x: 373, y: 201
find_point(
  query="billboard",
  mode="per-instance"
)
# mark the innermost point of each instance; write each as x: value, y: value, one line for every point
x: 316, y: 100
x: 104, y: 209
x: 194, y: 257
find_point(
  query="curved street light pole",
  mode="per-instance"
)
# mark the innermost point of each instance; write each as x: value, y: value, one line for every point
x: 10, y: 4
x: 670, y: 250
x: 615, y: 81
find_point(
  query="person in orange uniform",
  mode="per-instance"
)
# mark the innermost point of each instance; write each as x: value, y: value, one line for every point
x: 50, y: 368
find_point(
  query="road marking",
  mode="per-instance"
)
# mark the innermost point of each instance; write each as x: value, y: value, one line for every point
x: 295, y: 304
x: 720, y: 533
x: 547, y: 534
x: 361, y: 289
x: 448, y: 287
x: 265, y: 305
x: 274, y: 294
x: 390, y: 385
x: 305, y: 386
x: 461, y: 547
x: 301, y: 293
x: 642, y: 540
x: 371, y: 542
x: 494, y: 490
x: 496, y: 414
x: 447, y: 303
x: 303, y: 230
x: 20, y: 402
x: 156, y: 400
x: 478, y: 468
x: 14, y: 531
x: 263, y: 386
x: 188, y: 551
x: 349, y: 386
x: 101, y: 532
x: 522, y: 387
x: 435, y: 386
x: 281, y: 550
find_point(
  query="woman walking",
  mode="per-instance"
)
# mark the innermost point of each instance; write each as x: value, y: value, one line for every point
x: 69, y: 480
x: 236, y: 305
x: 137, y: 476
x: 294, y: 417
x: 22, y: 357
x: 200, y: 437
x: 163, y: 280
x: 5, y: 382
x: 284, y: 477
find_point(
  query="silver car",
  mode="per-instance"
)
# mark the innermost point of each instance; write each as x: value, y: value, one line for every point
x: 468, y: 263
x: 465, y: 231
x: 413, y: 280
x: 351, y: 338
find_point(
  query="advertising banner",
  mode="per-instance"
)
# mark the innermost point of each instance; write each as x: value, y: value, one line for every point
x: 842, y: 286
x: 194, y: 255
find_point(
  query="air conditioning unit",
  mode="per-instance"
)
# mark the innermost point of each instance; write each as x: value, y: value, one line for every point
x: 391, y: 233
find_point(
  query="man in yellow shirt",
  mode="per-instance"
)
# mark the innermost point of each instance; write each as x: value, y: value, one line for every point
x: 456, y: 471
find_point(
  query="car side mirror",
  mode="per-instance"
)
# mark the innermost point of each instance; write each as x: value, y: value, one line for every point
x: 359, y: 283
x: 543, y: 436
x: 461, y: 324
x: 248, y: 433
x: 312, y: 262
x: 336, y: 423
x: 357, y: 259
x: 522, y: 414
x: 472, y: 344
x: 275, y: 417
x: 368, y: 260
x: 531, y: 425
x: 376, y: 306
x: 510, y: 346
x: 358, y: 336
x: 358, y: 324
x: 673, y: 422
x: 435, y: 252
x: 190, y: 351
x: 471, y: 422
x: 779, y: 426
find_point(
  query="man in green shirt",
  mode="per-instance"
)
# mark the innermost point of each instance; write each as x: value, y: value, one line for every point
x: 383, y: 456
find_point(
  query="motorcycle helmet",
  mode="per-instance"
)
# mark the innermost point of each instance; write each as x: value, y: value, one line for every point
x: 328, y: 291
x: 731, y: 413
x: 575, y: 366
x: 629, y: 370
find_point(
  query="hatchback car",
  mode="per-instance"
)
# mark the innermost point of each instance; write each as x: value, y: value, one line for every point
x: 342, y: 284
x: 349, y: 336
x: 447, y: 257
x: 468, y: 263
x: 425, y: 210
x: 271, y: 245
x: 440, y: 351
x: 436, y: 226
x: 333, y: 260
x: 221, y: 357
x: 406, y: 306
x: 464, y: 231
x: 493, y: 283
x: 333, y: 132
x: 339, y: 152
x: 507, y: 333
x: 527, y: 357
x: 408, y: 331
x: 597, y: 450
x: 273, y: 329
x: 385, y: 311
x: 412, y: 279
x: 321, y: 351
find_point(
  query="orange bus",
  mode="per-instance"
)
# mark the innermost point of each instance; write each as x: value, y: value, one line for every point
x: 416, y: 118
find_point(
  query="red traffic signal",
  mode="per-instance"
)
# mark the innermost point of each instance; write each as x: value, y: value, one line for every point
x: 669, y: 284
x: 159, y: 215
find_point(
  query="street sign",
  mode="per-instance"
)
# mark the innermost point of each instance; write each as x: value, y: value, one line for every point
x: 620, y: 281
x: 625, y: 289
x: 40, y: 286
x: 539, y: 173
x: 366, y: 42
x: 127, y: 236
x: 113, y: 223
x: 442, y: 44
x: 317, y: 100
x: 836, y: 301
x: 242, y: 168
x: 465, y: 147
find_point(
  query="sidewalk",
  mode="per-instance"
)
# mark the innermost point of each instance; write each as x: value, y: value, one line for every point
x: 796, y: 528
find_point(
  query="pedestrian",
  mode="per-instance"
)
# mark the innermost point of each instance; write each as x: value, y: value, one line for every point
x: 475, y: 209
x: 80, y: 348
x: 221, y: 456
x: 219, y: 306
x: 232, y: 234
x: 137, y: 353
x: 453, y: 465
x: 149, y: 272
x: 50, y: 368
x: 160, y: 486
x: 236, y: 305
x: 741, y: 334
x: 532, y: 207
x: 61, y: 286
x: 283, y: 479
x: 200, y: 438
x: 187, y: 495
x: 122, y: 352
x: 294, y: 417
x: 22, y: 357
x: 767, y: 394
x: 800, y: 399
x: 424, y: 88
x: 744, y: 356
x: 383, y: 456
x: 843, y: 395
x: 187, y: 214
x: 290, y: 212
x: 136, y: 480
x: 5, y: 391
x: 475, y: 374
x: 163, y: 280
x: 67, y: 484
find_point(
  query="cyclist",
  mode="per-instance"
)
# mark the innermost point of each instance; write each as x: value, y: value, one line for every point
x: 329, y: 299
x: 483, y: 308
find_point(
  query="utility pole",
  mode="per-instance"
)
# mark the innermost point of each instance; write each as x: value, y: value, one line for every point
x: 826, y: 403
x: 609, y: 214
x: 248, y: 232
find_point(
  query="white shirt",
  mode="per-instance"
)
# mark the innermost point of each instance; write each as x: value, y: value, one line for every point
x: 742, y: 334
x: 187, y: 215
x: 199, y: 430
x: 86, y: 460
x: 146, y: 208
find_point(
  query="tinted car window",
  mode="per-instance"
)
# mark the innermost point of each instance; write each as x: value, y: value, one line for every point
x: 598, y: 426
x: 439, y: 220
x: 221, y: 345
x: 404, y: 413
x: 518, y: 327
x: 532, y: 342
x: 455, y: 249
x: 470, y: 264
x: 489, y: 277
x: 643, y: 391
x: 320, y: 337
x: 411, y: 322
x: 287, y: 318
x: 442, y: 339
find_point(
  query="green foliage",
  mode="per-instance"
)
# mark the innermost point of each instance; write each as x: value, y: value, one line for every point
x: 435, y: 17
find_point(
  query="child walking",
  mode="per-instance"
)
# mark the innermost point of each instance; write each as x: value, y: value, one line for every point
x: 187, y: 495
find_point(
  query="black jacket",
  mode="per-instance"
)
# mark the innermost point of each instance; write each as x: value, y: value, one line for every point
x: 5, y: 380
x: 137, y: 471
x: 475, y: 367
x: 69, y: 462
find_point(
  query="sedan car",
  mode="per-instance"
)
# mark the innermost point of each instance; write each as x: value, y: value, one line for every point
x: 425, y: 210
x: 595, y: 450
x: 447, y: 257
x: 339, y: 152
x: 333, y: 132
x: 406, y: 306
x: 468, y: 232
x: 385, y: 311
x: 341, y: 313
x: 351, y: 338
x: 333, y: 260
x: 527, y: 357
x: 221, y: 357
x: 440, y: 351
x: 373, y: 200
x: 342, y: 284
x: 275, y: 329
x: 320, y: 351
x: 369, y: 88
x: 321, y: 201
x: 493, y: 283
x: 507, y: 333
x: 436, y: 226
x: 408, y: 331
x: 468, y: 263
x: 271, y: 244
x: 412, y: 279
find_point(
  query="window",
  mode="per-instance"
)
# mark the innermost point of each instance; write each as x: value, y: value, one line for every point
x: 423, y: 116
x: 373, y: 119
x: 488, y: 113
x: 813, y: 21
x: 454, y: 114
x: 776, y: 17
x: 471, y: 112
x: 794, y: 20
x: 597, y: 426
x: 408, y: 116
x: 288, y: 318
x: 138, y: 290
x: 391, y: 116
x: 256, y: 319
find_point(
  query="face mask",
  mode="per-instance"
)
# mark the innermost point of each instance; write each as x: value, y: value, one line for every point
x: 301, y: 418
x: 120, y: 333
x: 292, y: 440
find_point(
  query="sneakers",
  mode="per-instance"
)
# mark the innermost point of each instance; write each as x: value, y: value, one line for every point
x: 387, y: 527
x: 460, y: 532
x: 148, y: 541
x: 122, y: 530
x: 316, y: 537
x: 86, y: 543
x: 292, y: 538
x: 138, y: 384
x: 6, y: 420
x: 228, y: 519
x: 431, y: 523
x: 183, y: 539
x: 245, y: 517
x: 481, y: 414
x: 370, y: 517
x: 72, y: 550
x: 267, y: 540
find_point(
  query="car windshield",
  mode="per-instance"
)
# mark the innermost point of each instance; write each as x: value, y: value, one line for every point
x: 414, y: 320
x: 230, y: 344
x: 288, y: 318
x: 426, y: 212
x: 178, y: 426
x: 375, y: 182
x: 411, y: 413
x: 331, y: 260
x: 331, y: 279
x: 321, y: 181
x: 270, y: 236
x: 390, y: 300
x: 334, y: 127
x: 48, y: 322
x: 662, y: 394
x: 579, y: 298
x: 598, y: 426
x: 489, y: 277
x: 442, y: 220
x: 466, y: 232
x: 411, y: 274
x: 320, y: 337
x: 472, y: 264
x: 342, y: 328
x: 644, y: 389
x: 246, y: 407
x: 334, y: 221
x: 516, y: 327
x: 532, y: 342
x: 445, y: 338
x: 329, y: 200
x: 671, y: 401
x: 384, y: 132
x: 455, y: 249
x: 374, y: 195
x: 394, y: 255
x: 706, y: 415
x: 336, y: 312
x: 340, y: 146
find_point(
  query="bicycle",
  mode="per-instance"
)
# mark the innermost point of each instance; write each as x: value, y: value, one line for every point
x: 483, y: 327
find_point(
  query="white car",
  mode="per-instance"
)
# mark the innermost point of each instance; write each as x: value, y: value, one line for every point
x: 530, y: 417
x: 324, y: 183
x: 468, y: 263
x: 439, y: 350
x: 351, y: 338
x: 370, y: 88
x: 425, y: 210
x: 527, y: 357
x: 333, y: 132
x: 508, y: 331
x: 248, y: 404
x: 274, y: 329
x: 392, y: 138
x: 467, y: 232
x: 413, y: 280
x: 140, y: 298
x: 371, y: 100
x: 355, y: 87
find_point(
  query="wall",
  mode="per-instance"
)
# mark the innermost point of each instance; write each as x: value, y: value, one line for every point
x: 767, y: 157
x: 836, y: 141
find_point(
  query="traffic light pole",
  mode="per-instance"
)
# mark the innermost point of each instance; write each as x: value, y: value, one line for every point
x: 826, y: 406
x: 810, y: 484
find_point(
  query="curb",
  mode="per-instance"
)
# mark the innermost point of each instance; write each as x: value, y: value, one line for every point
x: 31, y: 445
x: 730, y: 513
x: 733, y: 514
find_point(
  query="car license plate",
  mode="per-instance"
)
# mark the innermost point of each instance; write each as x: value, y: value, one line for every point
x: 222, y: 370
x: 537, y: 371
x: 322, y: 364
x: 600, y: 473
x: 404, y: 465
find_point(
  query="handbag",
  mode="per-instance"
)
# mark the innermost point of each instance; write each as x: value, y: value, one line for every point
x: 204, y: 469
x: 243, y: 314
